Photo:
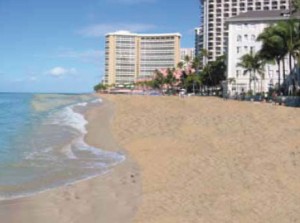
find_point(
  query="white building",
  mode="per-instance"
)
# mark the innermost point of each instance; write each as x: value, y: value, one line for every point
x: 215, y: 12
x: 190, y: 52
x: 129, y: 56
x: 198, y: 40
x: 243, y: 31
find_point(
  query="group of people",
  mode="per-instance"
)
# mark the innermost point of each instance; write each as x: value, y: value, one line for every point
x: 275, y: 97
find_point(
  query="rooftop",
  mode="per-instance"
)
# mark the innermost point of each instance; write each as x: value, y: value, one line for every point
x: 127, y: 33
x: 267, y: 15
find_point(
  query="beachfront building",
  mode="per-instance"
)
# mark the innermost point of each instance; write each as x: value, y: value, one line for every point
x: 190, y: 52
x: 198, y: 40
x: 131, y: 56
x: 243, y: 31
x: 215, y: 12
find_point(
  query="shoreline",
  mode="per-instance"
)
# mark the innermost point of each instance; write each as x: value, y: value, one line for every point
x: 187, y: 160
x: 95, y: 194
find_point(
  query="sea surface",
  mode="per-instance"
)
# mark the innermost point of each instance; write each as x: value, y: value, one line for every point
x: 42, y: 143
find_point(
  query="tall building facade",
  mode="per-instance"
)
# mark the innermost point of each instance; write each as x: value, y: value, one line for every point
x: 190, y: 52
x: 215, y: 12
x: 130, y: 56
x: 198, y: 40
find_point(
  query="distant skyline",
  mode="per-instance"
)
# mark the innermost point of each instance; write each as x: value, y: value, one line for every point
x: 58, y: 45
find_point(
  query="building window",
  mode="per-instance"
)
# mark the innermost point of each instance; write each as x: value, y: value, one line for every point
x: 253, y: 37
x: 246, y: 37
x: 246, y: 48
x: 238, y: 49
x: 239, y: 38
x: 252, y: 49
x: 238, y: 73
x: 270, y: 73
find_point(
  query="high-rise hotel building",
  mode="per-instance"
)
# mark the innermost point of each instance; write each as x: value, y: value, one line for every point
x: 214, y: 14
x: 130, y: 56
x: 198, y: 40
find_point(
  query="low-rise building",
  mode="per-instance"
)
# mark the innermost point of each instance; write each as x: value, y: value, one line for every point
x: 243, y: 32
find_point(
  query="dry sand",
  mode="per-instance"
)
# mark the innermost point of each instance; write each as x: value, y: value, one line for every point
x: 209, y: 160
x: 198, y: 160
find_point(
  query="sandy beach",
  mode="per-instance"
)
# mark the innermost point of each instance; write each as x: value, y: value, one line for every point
x: 209, y: 160
x: 192, y: 160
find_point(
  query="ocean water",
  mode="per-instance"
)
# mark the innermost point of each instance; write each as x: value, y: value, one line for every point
x: 42, y: 146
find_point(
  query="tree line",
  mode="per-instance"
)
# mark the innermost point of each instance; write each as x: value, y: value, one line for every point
x: 190, y: 75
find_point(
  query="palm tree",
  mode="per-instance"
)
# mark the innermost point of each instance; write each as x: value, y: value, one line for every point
x: 288, y: 31
x: 170, y: 79
x: 187, y: 59
x: 280, y: 40
x: 273, y: 48
x: 158, y: 81
x: 191, y: 81
x: 262, y: 78
x: 196, y: 63
x: 295, y: 5
x: 100, y: 87
x: 180, y: 65
x: 252, y: 64
x: 204, y: 56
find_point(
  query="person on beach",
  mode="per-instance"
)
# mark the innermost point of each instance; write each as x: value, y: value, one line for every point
x: 226, y: 96
x: 274, y: 98
x: 243, y: 95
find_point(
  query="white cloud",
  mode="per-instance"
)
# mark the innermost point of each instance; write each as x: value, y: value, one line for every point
x: 18, y: 80
x: 33, y: 78
x: 98, y: 30
x: 60, y: 71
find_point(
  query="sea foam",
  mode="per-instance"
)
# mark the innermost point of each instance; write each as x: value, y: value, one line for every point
x: 53, y: 150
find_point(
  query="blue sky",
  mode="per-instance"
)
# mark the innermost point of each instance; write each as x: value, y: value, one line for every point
x: 58, y: 45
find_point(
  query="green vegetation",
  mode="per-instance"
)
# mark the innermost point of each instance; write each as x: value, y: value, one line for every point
x: 191, y: 77
x: 253, y: 64
x: 214, y: 72
x: 100, y: 87
x: 279, y: 41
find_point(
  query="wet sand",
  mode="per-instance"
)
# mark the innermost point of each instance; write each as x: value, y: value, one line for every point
x: 113, y: 197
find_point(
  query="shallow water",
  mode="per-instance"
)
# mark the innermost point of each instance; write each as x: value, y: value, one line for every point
x: 42, y: 146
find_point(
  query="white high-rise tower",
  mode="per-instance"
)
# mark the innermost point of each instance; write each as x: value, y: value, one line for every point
x: 215, y: 12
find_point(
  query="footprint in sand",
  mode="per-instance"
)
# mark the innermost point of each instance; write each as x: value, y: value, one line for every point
x: 295, y: 157
x: 132, y: 178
